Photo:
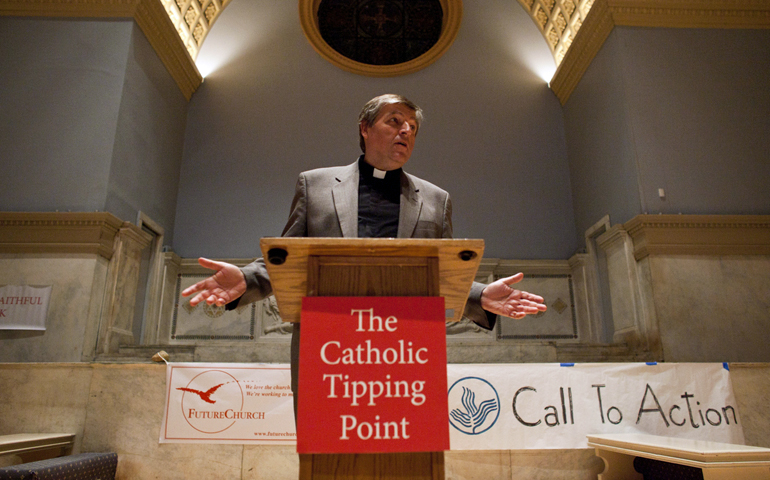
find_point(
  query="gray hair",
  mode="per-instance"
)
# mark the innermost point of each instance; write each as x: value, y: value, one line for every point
x: 372, y: 109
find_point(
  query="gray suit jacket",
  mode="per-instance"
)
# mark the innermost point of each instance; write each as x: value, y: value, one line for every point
x: 326, y: 205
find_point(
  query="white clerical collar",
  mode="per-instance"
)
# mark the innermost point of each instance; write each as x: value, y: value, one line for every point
x: 377, y: 173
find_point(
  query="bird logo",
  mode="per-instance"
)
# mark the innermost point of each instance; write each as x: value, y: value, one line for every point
x: 205, y: 396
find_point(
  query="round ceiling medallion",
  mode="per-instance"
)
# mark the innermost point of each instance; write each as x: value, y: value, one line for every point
x: 381, y: 37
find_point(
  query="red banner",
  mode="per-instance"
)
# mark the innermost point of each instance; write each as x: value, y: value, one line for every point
x: 372, y: 375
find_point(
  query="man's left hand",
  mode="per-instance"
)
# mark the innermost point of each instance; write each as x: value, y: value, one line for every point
x: 500, y: 298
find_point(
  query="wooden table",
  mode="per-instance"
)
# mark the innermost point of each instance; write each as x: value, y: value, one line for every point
x: 37, y: 446
x: 717, y: 460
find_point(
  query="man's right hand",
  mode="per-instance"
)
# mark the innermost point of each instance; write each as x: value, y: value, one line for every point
x: 226, y: 285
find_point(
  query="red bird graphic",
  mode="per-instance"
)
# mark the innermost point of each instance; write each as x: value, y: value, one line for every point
x: 205, y: 396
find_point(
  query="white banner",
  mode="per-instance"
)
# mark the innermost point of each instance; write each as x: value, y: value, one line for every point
x: 491, y: 406
x: 536, y: 406
x: 23, y: 307
x: 228, y: 403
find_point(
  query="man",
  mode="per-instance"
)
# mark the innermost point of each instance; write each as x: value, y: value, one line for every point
x: 373, y: 197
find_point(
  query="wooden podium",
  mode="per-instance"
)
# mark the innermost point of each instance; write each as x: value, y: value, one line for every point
x: 353, y: 267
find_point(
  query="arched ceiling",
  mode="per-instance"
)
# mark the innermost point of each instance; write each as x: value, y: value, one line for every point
x: 193, y: 20
x: 558, y: 20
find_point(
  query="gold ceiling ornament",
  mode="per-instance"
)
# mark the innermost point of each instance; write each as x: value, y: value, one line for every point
x: 558, y: 21
x: 193, y: 19
x: 452, y: 16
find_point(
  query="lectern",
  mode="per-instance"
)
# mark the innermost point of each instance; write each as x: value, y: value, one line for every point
x: 352, y: 267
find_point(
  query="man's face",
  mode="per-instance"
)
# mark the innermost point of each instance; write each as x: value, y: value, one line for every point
x: 390, y: 139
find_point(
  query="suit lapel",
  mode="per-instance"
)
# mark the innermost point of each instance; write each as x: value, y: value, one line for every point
x: 345, y: 194
x: 411, y: 204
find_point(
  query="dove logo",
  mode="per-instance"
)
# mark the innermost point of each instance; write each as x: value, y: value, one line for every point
x: 474, y: 405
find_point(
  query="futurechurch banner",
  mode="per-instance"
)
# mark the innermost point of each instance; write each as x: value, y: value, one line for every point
x: 228, y: 403
x: 491, y: 406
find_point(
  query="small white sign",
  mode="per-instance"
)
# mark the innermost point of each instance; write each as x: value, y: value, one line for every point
x: 23, y: 307
x: 228, y: 403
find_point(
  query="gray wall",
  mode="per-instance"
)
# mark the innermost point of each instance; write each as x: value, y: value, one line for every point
x: 686, y: 110
x: 60, y: 90
x: 147, y: 155
x: 272, y: 107
x: 91, y: 120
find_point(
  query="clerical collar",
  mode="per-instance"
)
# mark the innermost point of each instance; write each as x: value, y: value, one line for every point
x: 367, y: 171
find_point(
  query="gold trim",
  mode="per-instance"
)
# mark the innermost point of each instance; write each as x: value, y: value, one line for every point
x: 453, y: 12
x: 606, y: 14
x: 160, y: 32
x: 692, y: 13
x: 588, y: 41
x: 40, y: 232
x: 699, y: 235
x: 149, y: 15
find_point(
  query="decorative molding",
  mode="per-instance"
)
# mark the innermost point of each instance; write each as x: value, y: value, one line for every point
x: 691, y: 13
x: 193, y: 20
x: 506, y: 268
x: 149, y: 15
x: 308, y: 16
x: 578, y: 260
x: 117, y: 322
x: 699, y: 235
x: 597, y: 27
x: 41, y: 232
x: 606, y: 14
x: 156, y: 25
x: 559, y: 21
x: 613, y: 237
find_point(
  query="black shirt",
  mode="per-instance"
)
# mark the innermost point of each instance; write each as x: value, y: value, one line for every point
x: 379, y: 201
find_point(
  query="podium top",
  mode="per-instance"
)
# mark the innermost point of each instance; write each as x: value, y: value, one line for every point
x: 288, y: 262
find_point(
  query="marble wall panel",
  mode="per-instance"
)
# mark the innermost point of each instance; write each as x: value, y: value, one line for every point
x: 649, y: 323
x: 43, y: 399
x: 589, y: 330
x: 270, y: 462
x: 209, y: 322
x: 125, y: 414
x: 257, y: 334
x: 579, y: 464
x: 473, y: 465
x: 117, y: 322
x: 75, y: 278
x: 712, y: 308
x: 528, y: 352
x: 269, y: 322
x: 621, y: 289
x: 559, y: 322
x: 751, y: 384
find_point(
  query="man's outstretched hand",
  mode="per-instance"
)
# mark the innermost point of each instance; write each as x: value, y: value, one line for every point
x: 226, y: 285
x: 499, y: 298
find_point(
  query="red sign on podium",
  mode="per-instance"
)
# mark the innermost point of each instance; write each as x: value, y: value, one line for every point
x: 372, y: 375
